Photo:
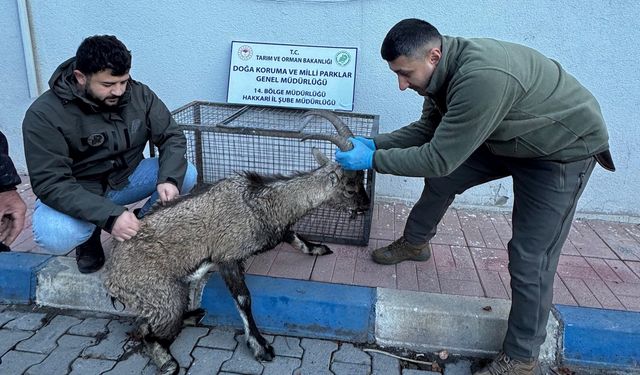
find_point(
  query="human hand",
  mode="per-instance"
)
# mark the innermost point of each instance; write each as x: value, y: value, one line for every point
x: 12, y: 215
x: 126, y: 226
x: 167, y: 192
x: 358, y: 158
x: 367, y: 142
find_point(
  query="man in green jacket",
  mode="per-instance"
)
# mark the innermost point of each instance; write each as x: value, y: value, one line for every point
x: 491, y: 109
x: 84, y: 141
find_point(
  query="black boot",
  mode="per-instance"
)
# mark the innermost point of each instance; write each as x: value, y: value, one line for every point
x: 89, y: 254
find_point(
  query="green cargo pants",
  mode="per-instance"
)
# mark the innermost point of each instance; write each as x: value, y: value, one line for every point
x: 545, y: 197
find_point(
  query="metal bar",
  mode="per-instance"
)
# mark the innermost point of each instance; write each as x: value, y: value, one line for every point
x: 233, y: 116
x: 244, y: 130
x: 197, y: 119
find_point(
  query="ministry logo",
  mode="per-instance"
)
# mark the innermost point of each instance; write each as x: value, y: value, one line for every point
x: 343, y: 58
x: 245, y: 52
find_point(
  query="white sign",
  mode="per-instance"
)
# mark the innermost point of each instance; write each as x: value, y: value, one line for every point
x: 286, y: 75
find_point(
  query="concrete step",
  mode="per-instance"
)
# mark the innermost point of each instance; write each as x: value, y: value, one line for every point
x: 470, y: 326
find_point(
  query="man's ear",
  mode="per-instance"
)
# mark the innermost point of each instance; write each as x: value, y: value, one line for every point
x: 80, y: 77
x: 434, y: 55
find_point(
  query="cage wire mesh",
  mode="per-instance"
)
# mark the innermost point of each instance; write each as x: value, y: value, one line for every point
x: 224, y: 139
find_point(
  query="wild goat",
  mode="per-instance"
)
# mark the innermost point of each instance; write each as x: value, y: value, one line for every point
x: 231, y: 220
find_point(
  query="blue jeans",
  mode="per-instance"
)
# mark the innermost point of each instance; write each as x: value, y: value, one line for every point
x: 60, y: 233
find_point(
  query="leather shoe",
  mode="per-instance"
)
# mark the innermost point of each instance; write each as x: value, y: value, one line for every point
x: 401, y: 250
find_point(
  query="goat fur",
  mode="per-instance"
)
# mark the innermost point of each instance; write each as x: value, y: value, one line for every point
x: 225, y: 224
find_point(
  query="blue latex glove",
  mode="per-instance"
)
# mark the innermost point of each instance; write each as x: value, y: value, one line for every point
x: 358, y: 158
x: 367, y: 142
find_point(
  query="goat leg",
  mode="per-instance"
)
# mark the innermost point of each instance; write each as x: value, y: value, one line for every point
x: 163, y: 309
x: 193, y: 317
x: 158, y: 350
x: 197, y: 281
x: 233, y: 275
x: 306, y: 247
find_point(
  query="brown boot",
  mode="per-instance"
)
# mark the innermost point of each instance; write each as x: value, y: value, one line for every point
x: 89, y: 254
x: 401, y: 250
x: 505, y: 365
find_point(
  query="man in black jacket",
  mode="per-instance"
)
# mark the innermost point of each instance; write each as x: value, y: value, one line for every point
x: 12, y: 207
x: 84, y: 141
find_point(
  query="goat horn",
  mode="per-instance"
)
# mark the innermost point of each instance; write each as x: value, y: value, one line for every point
x: 340, y: 126
x: 343, y: 143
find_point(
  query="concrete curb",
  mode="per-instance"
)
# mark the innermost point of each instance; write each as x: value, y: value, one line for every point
x: 61, y: 285
x: 415, y: 320
x: 296, y: 308
x: 463, y: 325
x: 18, y: 276
x: 601, y: 338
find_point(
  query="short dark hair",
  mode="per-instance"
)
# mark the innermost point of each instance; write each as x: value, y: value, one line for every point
x: 408, y: 38
x: 99, y: 52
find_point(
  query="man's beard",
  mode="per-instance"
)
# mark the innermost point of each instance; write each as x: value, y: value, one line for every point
x: 101, y: 103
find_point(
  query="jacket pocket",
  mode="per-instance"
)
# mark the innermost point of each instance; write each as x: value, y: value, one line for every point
x: 540, y: 142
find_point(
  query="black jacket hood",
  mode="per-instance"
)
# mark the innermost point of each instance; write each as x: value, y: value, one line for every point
x: 63, y: 83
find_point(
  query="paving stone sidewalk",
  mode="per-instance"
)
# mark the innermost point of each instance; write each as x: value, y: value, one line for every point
x: 46, y: 341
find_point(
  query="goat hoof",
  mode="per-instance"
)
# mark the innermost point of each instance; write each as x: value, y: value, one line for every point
x: 266, y: 353
x: 169, y: 368
x: 321, y: 250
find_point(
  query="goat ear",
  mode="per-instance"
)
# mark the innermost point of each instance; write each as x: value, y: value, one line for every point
x: 319, y: 156
x: 335, y: 179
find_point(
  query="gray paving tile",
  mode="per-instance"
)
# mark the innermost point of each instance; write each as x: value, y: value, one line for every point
x: 208, y: 361
x: 219, y: 339
x: 85, y: 366
x: 60, y: 359
x: 150, y: 369
x: 350, y: 354
x: 7, y: 316
x: 183, y: 344
x: 462, y: 367
x: 131, y: 365
x: 384, y: 365
x: 287, y: 346
x: 90, y: 327
x: 341, y: 368
x: 112, y: 346
x: 9, y: 338
x: 27, y: 321
x: 242, y: 360
x: 44, y: 341
x: 281, y: 365
x: 418, y: 372
x: 15, y: 362
x: 317, y: 356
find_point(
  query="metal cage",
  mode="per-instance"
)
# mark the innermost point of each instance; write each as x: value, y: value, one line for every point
x: 223, y: 139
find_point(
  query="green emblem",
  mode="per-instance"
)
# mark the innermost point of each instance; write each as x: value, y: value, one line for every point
x: 343, y: 58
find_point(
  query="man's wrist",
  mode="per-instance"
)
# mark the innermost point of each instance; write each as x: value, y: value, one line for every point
x: 373, y: 161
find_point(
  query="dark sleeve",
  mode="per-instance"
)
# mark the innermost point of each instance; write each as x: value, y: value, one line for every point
x: 8, y: 176
x: 477, y: 104
x: 171, y: 142
x: 415, y: 134
x: 50, y: 171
